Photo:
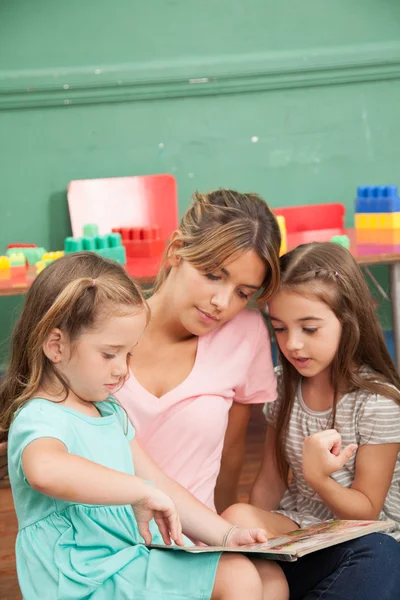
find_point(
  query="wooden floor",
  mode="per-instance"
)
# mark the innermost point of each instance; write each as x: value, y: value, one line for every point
x: 8, y: 524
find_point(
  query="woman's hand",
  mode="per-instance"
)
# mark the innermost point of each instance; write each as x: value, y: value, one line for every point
x: 322, y: 455
x: 158, y: 506
x: 242, y: 537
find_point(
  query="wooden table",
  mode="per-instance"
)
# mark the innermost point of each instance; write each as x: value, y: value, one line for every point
x: 372, y: 257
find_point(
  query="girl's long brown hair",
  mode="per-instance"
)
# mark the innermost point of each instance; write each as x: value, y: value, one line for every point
x: 328, y: 272
x: 69, y: 294
x: 219, y: 225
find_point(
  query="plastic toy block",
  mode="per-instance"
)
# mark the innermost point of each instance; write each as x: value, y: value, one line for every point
x: 141, y: 242
x: 40, y: 266
x: 32, y: 255
x: 4, y: 263
x: 342, y: 240
x: 377, y: 199
x: 116, y: 254
x: 108, y: 246
x: 5, y: 271
x: 383, y: 237
x: 372, y: 249
x: 17, y: 259
x: 90, y: 230
x: 377, y: 220
x: 51, y: 256
x: 10, y: 246
x: 282, y: 227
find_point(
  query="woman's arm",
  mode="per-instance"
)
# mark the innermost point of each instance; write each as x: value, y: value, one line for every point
x: 269, y: 486
x: 232, y: 456
x: 198, y: 521
x: 374, y: 469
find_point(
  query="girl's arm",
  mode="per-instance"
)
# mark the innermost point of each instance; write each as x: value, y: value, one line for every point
x: 232, y: 456
x: 374, y: 470
x: 51, y: 470
x: 269, y: 486
x: 198, y: 521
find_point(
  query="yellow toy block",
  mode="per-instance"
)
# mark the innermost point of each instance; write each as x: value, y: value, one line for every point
x: 4, y: 263
x: 377, y: 220
x: 52, y: 255
x: 363, y: 221
x: 40, y: 266
x: 282, y: 226
x: 5, y: 271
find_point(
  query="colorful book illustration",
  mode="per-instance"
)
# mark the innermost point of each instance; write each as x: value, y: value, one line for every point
x: 299, y: 542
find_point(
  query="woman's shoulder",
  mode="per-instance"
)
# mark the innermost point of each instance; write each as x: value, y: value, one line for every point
x: 246, y: 324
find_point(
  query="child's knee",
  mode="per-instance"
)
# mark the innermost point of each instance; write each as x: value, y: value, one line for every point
x: 238, y: 514
x: 236, y: 578
x: 273, y: 579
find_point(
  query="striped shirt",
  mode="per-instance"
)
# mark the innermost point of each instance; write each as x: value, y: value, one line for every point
x: 361, y: 418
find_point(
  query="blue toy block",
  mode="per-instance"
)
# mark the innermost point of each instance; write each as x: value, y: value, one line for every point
x: 377, y: 199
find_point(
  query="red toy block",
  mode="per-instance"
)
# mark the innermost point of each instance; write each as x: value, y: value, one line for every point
x: 10, y: 246
x: 141, y: 242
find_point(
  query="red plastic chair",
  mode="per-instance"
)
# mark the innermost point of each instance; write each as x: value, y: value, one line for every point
x: 312, y: 217
x: 142, y: 201
x: 117, y: 202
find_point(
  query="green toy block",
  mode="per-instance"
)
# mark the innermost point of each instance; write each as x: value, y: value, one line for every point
x: 109, y: 246
x: 32, y: 255
x: 116, y: 254
x: 342, y: 240
x: 17, y: 259
x: 72, y: 244
x: 90, y: 230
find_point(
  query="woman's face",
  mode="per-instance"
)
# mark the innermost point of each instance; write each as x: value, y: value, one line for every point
x: 205, y: 301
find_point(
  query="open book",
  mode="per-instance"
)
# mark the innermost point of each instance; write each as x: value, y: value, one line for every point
x: 299, y: 542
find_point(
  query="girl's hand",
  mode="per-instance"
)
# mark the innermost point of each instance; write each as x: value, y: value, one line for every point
x: 322, y: 455
x: 158, y: 506
x: 242, y: 537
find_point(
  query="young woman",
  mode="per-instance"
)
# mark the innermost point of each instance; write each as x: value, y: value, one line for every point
x: 204, y: 359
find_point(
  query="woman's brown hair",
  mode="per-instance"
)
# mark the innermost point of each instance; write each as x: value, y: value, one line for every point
x: 220, y: 225
x: 328, y: 272
x: 69, y: 294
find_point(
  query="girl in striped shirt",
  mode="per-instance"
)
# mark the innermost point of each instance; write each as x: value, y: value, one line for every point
x: 335, y: 426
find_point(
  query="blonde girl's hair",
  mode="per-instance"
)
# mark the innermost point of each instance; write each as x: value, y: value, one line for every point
x: 69, y: 294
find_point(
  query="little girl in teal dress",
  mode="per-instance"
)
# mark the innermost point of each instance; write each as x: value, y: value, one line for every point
x: 81, y: 484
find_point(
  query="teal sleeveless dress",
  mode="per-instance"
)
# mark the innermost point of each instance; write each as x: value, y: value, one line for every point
x: 71, y: 551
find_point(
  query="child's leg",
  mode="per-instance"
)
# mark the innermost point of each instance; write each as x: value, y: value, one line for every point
x: 246, y: 515
x: 237, y: 578
x: 275, y: 586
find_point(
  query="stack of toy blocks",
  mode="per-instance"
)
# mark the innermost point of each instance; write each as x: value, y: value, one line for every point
x: 108, y: 246
x: 141, y: 242
x: 13, y: 271
x: 377, y: 219
x: 32, y: 254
